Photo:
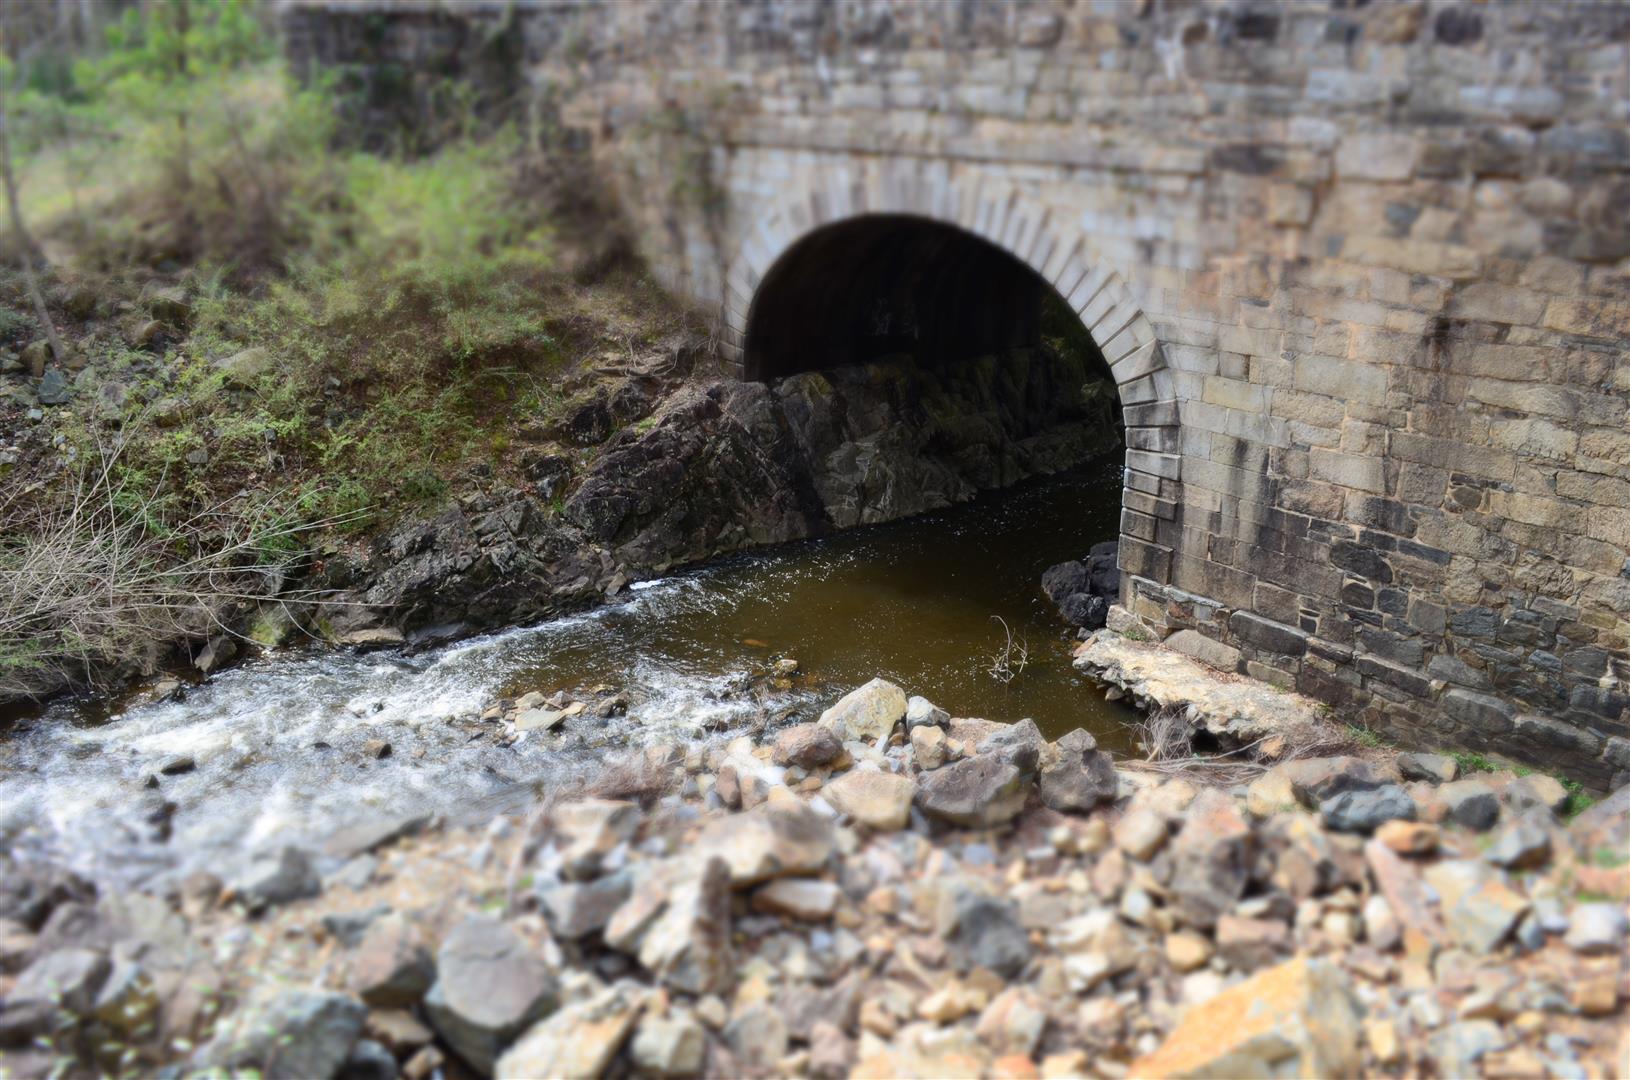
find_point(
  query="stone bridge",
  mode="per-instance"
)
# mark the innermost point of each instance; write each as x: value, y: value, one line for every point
x: 1362, y: 271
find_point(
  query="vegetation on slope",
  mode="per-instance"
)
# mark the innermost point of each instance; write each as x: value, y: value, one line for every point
x: 271, y: 337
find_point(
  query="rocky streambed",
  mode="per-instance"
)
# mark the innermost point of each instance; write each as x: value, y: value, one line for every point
x: 883, y: 891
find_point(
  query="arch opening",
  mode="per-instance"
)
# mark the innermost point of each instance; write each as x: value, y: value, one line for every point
x: 891, y: 285
x: 982, y: 369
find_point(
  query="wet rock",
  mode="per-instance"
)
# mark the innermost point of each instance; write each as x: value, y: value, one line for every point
x: 774, y: 839
x: 1433, y: 768
x: 588, y: 830
x: 669, y: 1046
x: 67, y: 979
x: 1471, y: 804
x: 875, y: 799
x: 1297, y: 1019
x: 297, y: 1034
x: 920, y: 712
x: 578, y: 909
x: 578, y: 1040
x: 1085, y: 611
x: 808, y: 746
x: 278, y: 879
x: 868, y: 713
x: 1523, y: 844
x: 1527, y: 793
x: 1365, y: 810
x: 928, y: 746
x: 976, y: 793
x: 392, y: 967
x: 1597, y: 927
x: 1211, y: 859
x: 1065, y: 579
x: 799, y: 898
x: 988, y: 934
x: 490, y: 985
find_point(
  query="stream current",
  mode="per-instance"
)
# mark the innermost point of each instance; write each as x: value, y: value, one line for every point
x: 281, y: 748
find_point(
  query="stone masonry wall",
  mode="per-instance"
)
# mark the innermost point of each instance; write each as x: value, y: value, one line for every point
x: 1363, y: 271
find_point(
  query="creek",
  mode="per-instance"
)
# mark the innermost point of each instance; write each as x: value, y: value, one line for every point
x: 282, y: 748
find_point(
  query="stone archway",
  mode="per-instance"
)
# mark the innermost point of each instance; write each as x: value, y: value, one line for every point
x: 1060, y: 255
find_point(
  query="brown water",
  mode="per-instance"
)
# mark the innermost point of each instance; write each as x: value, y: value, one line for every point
x: 916, y: 602
x: 278, y: 742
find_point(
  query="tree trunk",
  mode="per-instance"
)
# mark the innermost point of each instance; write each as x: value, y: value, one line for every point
x: 25, y: 240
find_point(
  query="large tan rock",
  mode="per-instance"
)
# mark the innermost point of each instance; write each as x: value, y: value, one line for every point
x: 875, y: 799
x: 868, y: 713
x: 1296, y: 1019
x: 578, y: 1040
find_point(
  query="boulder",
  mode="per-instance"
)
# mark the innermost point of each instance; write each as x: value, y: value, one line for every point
x: 670, y: 1045
x: 976, y: 793
x: 1597, y: 927
x: 920, y: 712
x: 67, y: 979
x: 1077, y: 775
x: 1433, y: 768
x: 1020, y: 745
x: 392, y: 967
x: 866, y: 714
x: 1296, y: 1019
x: 808, y: 746
x: 773, y: 839
x: 578, y: 1040
x: 1316, y: 779
x: 1479, y: 908
x: 578, y: 909
x: 297, y: 1034
x: 1085, y: 611
x: 278, y: 879
x: 928, y: 746
x: 1471, y: 804
x: 757, y: 1037
x: 1211, y: 859
x: 685, y: 943
x: 1525, y: 843
x: 798, y: 898
x: 490, y: 985
x: 989, y: 935
x: 875, y: 799
x: 588, y: 830
x: 1527, y: 793
x: 1065, y: 579
x: 1363, y: 811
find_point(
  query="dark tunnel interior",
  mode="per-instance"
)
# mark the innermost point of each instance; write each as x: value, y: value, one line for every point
x: 891, y: 285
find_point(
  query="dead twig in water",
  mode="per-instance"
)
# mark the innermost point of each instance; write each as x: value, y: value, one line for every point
x: 1011, y: 659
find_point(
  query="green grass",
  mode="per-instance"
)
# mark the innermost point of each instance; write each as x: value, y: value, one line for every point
x: 1365, y: 737
x: 1470, y: 762
x: 1579, y: 800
